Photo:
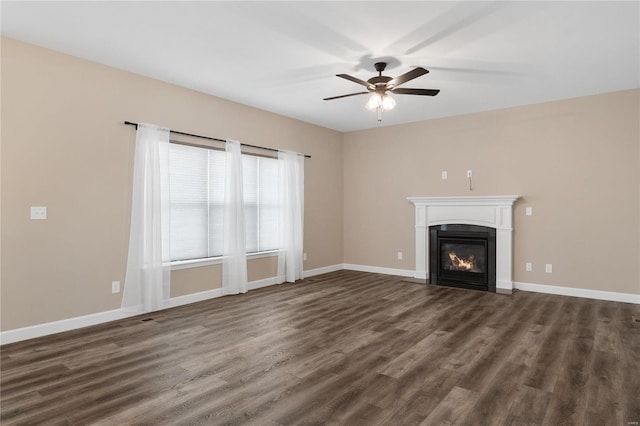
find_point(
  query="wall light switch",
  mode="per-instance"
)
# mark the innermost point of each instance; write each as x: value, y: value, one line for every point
x: 399, y: 255
x: 548, y: 268
x: 38, y: 213
x: 444, y: 175
x: 528, y: 211
x: 304, y: 256
x: 528, y: 267
x: 115, y: 286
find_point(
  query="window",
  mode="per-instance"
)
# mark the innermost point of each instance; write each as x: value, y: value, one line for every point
x: 197, y: 178
x: 260, y: 191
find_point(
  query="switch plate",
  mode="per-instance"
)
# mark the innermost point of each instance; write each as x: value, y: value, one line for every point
x: 304, y: 256
x: 38, y: 213
x: 444, y: 175
x: 548, y: 268
x: 399, y: 255
x: 115, y: 286
x: 528, y: 267
x: 528, y: 211
x: 469, y: 173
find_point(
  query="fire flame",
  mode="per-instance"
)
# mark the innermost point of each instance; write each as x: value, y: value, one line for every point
x: 462, y: 264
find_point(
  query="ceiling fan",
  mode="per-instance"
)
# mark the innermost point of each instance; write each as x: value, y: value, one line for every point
x: 382, y: 86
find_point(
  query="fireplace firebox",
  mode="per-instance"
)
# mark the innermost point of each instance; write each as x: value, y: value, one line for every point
x: 463, y: 256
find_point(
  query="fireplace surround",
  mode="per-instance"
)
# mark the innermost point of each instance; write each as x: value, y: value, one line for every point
x: 494, y: 212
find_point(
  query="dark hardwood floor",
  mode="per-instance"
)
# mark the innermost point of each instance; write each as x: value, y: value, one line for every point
x: 347, y: 348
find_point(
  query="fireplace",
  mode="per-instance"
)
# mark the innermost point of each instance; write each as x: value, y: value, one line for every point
x: 492, y: 211
x: 463, y: 256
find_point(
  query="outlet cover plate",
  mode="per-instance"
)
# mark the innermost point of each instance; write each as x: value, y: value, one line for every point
x: 38, y: 213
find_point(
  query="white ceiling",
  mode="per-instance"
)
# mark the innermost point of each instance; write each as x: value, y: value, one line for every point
x: 283, y: 56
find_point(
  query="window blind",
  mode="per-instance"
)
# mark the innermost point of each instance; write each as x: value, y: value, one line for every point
x: 197, y: 177
x: 260, y: 186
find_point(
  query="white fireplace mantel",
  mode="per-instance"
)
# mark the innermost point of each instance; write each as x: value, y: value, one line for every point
x: 491, y: 211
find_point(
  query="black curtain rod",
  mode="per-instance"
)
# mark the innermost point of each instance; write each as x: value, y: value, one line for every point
x: 214, y: 139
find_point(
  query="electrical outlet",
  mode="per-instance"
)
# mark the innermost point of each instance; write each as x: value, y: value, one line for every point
x: 469, y: 173
x: 38, y: 213
x: 548, y: 268
x: 528, y: 267
x: 528, y: 211
x: 444, y: 175
x: 399, y: 255
x: 115, y: 287
x: 304, y: 256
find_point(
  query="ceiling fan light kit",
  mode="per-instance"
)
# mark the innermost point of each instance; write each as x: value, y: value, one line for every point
x: 382, y: 86
x: 385, y: 101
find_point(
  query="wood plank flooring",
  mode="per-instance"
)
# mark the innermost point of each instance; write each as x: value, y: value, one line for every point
x: 345, y: 348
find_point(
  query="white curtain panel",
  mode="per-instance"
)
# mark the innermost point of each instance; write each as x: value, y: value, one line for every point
x: 148, y: 277
x: 234, y: 263
x: 291, y: 194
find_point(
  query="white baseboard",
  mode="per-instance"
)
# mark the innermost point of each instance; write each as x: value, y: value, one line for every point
x: 323, y: 270
x: 193, y: 298
x: 379, y: 270
x: 39, y: 330
x: 538, y: 288
x: 262, y: 283
x: 579, y: 292
x: 53, y: 327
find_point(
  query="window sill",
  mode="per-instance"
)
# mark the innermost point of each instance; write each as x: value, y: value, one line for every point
x: 195, y: 263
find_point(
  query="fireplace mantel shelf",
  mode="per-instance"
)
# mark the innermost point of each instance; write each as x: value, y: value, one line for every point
x: 481, y: 200
x: 494, y: 211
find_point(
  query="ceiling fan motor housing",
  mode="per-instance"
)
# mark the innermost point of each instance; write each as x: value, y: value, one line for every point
x: 380, y: 81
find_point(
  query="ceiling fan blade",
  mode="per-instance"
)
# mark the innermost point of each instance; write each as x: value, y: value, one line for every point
x: 344, y: 96
x: 356, y: 80
x: 424, y: 92
x: 401, y: 79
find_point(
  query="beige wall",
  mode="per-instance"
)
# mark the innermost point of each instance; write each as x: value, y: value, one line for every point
x: 574, y: 161
x: 64, y: 146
